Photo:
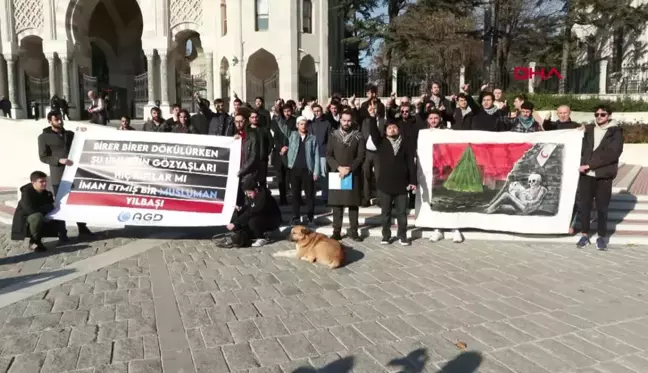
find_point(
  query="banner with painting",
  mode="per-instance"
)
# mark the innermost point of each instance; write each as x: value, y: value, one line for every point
x: 153, y: 179
x: 509, y: 182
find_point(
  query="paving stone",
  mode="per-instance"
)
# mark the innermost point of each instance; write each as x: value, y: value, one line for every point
x: 245, y: 311
x: 52, y: 339
x: 140, y: 326
x: 350, y: 337
x: 216, y: 335
x: 95, y: 355
x: 244, y: 331
x: 296, y: 323
x: 270, y: 327
x: 269, y: 352
x: 399, y: 327
x: 297, y: 346
x: 45, y: 321
x: 61, y: 360
x: 145, y: 366
x: 324, y: 342
x: 28, y: 363
x: 37, y: 307
x: 240, y: 356
x: 74, y: 318
x: 151, y: 346
x: 20, y: 344
x: 83, y: 335
x: 68, y: 303
x: 128, y: 349
x: 210, y: 360
x: 111, y: 331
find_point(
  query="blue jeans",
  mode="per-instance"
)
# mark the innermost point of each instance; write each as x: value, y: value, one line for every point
x: 323, y: 177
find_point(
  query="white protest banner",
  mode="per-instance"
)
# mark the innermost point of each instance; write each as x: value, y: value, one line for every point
x: 508, y: 182
x: 146, y: 178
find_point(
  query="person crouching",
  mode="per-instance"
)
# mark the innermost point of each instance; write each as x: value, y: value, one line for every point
x: 255, y: 220
x: 397, y: 177
x: 29, y: 218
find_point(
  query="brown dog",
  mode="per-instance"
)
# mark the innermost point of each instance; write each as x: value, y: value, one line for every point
x: 316, y: 247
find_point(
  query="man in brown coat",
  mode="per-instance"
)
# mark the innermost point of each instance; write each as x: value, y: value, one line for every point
x: 345, y: 154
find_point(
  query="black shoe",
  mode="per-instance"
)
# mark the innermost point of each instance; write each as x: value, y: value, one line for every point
x: 63, y: 238
x: 385, y: 241
x: 366, y: 204
x: 295, y: 221
x: 355, y: 236
x: 283, y: 201
x: 37, y: 246
x: 84, y: 232
x: 336, y: 236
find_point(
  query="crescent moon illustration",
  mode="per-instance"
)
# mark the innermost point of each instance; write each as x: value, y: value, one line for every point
x: 543, y: 155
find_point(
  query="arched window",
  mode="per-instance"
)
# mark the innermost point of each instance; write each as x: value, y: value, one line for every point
x: 262, y: 11
x: 223, y: 17
x: 189, y: 48
x: 307, y: 17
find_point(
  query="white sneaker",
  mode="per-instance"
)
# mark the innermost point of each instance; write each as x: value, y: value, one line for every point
x: 259, y: 242
x: 436, y: 236
x: 457, y: 237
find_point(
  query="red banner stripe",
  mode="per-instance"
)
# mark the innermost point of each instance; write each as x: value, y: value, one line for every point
x: 120, y: 200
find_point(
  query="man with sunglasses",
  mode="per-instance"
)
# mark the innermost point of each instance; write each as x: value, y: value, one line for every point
x: 602, y: 148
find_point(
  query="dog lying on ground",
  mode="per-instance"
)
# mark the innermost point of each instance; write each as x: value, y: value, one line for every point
x: 314, y: 247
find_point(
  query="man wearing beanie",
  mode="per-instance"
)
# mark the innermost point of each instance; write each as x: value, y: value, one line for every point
x: 523, y: 122
x: 397, y: 177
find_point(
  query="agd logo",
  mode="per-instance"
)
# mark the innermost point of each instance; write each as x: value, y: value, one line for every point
x: 126, y: 216
x: 528, y: 73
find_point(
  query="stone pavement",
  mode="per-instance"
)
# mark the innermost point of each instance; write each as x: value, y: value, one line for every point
x: 186, y: 306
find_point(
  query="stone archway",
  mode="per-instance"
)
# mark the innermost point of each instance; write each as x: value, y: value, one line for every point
x: 262, y: 76
x: 307, y: 77
x: 34, y: 69
x: 191, y: 67
x: 107, y: 37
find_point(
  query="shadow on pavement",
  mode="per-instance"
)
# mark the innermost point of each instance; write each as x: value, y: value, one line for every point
x: 414, y: 362
x: 467, y: 362
x: 11, y: 284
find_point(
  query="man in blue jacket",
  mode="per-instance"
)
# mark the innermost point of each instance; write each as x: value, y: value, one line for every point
x: 304, y: 166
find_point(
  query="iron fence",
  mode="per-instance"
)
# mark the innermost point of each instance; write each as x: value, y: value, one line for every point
x: 630, y: 79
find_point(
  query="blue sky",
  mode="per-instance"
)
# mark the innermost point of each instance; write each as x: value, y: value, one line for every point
x: 366, y: 60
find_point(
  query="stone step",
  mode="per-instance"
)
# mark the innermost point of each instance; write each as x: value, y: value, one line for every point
x: 624, y: 180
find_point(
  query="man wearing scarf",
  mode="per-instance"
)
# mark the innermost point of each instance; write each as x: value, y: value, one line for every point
x: 486, y: 117
x: 398, y: 176
x: 282, y: 127
x: 523, y: 123
x: 344, y: 154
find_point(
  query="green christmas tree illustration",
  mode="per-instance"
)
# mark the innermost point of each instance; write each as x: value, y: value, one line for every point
x: 465, y: 177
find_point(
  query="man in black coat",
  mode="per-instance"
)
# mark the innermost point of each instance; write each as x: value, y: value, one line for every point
x: 396, y: 178
x: 29, y: 218
x: 264, y: 143
x: 53, y: 149
x: 255, y: 220
x: 219, y: 122
x: 602, y: 148
x: 281, y: 128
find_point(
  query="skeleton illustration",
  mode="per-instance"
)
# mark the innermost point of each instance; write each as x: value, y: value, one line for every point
x: 523, y: 200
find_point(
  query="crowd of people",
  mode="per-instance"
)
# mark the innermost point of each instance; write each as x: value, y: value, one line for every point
x: 374, y: 144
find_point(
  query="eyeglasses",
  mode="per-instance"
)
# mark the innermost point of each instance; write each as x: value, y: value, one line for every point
x: 602, y: 115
